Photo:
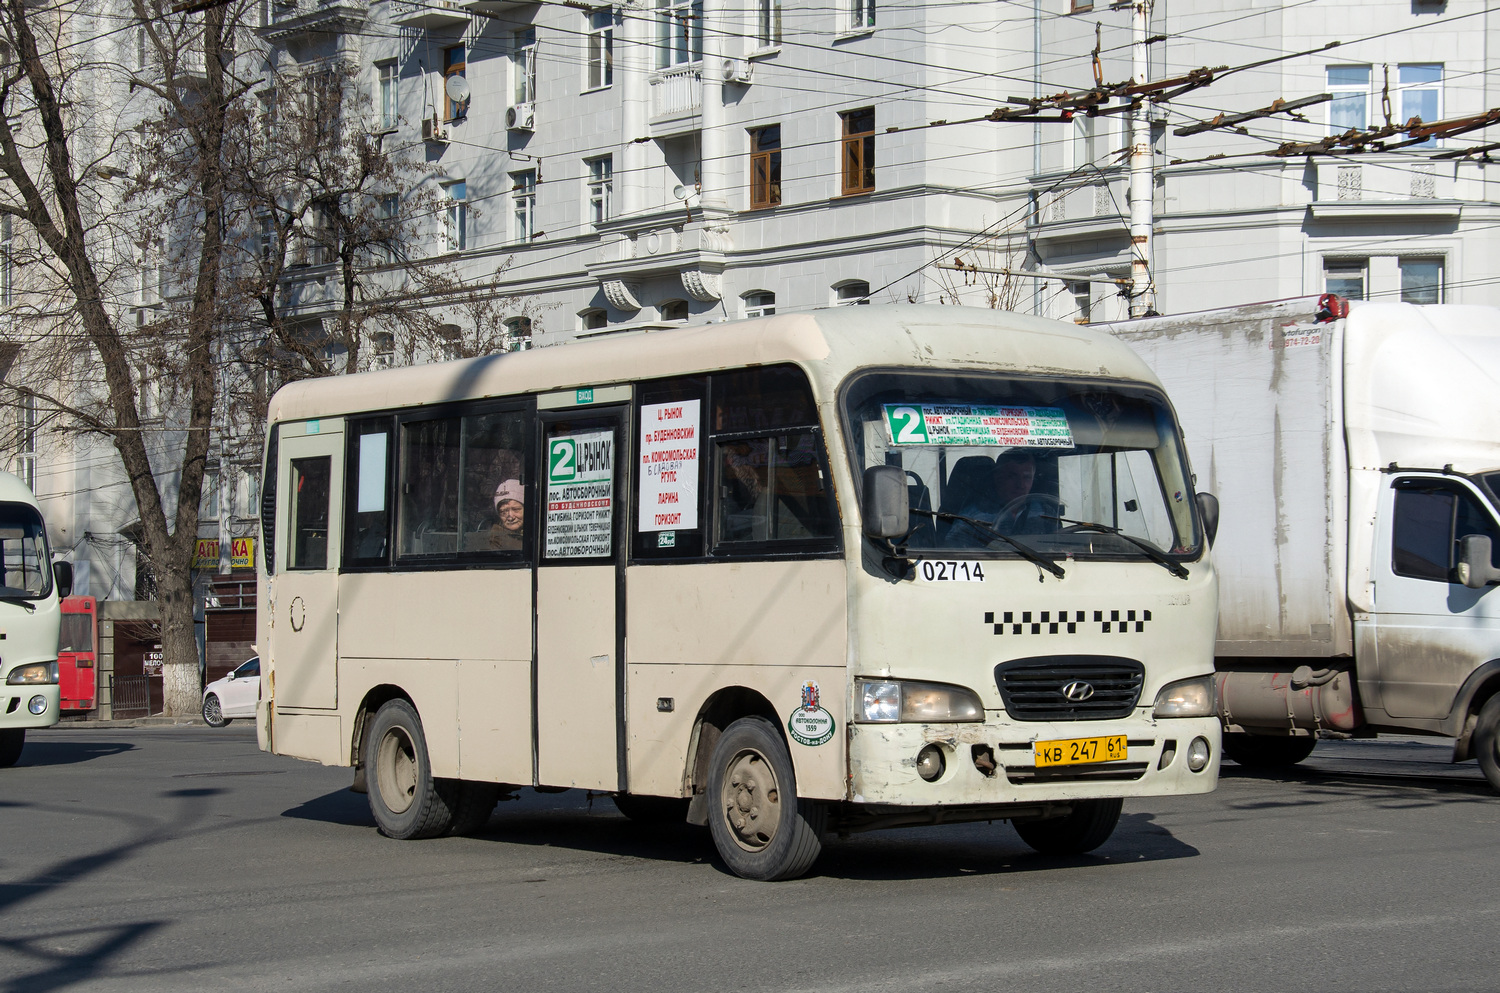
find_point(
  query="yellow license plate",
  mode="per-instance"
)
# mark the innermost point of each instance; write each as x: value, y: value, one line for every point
x: 1077, y: 751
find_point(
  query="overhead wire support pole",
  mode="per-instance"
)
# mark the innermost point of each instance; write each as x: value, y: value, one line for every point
x: 1142, y: 179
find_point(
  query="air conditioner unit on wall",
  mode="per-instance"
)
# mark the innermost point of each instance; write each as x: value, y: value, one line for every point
x: 433, y: 130
x: 738, y: 70
x: 521, y: 117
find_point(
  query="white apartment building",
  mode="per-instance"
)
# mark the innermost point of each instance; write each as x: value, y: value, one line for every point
x: 667, y: 161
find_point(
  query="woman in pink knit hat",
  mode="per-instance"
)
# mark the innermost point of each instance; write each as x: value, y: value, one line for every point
x: 505, y: 534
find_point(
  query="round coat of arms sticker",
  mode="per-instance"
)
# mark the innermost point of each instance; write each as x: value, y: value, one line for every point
x: 810, y: 724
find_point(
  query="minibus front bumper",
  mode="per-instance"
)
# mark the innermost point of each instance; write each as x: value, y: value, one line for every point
x: 996, y: 762
x: 30, y: 706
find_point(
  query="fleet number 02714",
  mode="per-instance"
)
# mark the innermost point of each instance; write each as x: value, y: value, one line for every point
x: 944, y: 571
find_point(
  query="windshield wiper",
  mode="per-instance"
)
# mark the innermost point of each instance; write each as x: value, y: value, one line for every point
x: 1152, y: 552
x: 1028, y: 553
x: 19, y: 602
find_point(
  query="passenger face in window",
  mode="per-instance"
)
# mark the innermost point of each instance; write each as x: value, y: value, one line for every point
x: 505, y: 534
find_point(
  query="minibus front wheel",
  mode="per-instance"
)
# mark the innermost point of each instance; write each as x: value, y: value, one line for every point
x: 760, y: 827
x: 12, y: 740
x: 406, y: 800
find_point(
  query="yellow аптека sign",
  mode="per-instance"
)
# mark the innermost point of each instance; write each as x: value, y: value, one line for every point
x: 241, y: 553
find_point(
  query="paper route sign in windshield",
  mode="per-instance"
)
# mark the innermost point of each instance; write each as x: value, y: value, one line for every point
x: 969, y: 424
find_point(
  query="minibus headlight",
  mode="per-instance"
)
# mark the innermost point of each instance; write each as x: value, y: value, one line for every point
x: 1186, y: 698
x: 889, y: 701
x: 36, y: 674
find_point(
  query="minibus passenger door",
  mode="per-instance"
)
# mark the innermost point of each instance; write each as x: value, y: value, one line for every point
x: 304, y: 623
x: 579, y: 670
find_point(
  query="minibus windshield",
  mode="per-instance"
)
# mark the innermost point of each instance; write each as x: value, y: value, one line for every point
x: 1063, y: 467
x: 23, y: 550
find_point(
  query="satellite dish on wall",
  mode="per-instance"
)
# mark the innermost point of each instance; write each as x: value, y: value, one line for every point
x: 457, y: 89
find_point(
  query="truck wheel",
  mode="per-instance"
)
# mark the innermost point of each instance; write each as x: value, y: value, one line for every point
x: 11, y: 742
x: 652, y: 809
x: 404, y: 797
x: 1487, y: 741
x: 1265, y: 751
x: 1088, y: 826
x: 760, y: 827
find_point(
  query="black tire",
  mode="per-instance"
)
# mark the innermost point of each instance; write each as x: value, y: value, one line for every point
x: 1085, y: 829
x: 12, y: 740
x: 405, y: 799
x: 1486, y: 742
x: 476, y: 802
x: 1267, y: 751
x: 761, y: 828
x: 213, y: 712
x: 652, y: 809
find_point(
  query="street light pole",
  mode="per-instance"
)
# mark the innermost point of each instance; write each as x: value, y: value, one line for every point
x: 1142, y: 194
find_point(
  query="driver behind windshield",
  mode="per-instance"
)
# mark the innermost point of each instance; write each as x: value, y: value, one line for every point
x: 1003, y: 501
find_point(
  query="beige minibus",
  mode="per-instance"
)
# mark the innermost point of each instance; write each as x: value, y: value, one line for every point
x: 807, y: 574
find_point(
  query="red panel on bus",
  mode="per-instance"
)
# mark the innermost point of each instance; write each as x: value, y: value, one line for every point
x: 78, y: 652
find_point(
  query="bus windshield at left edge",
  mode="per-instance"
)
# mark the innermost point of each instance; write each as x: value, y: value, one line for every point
x: 23, y: 545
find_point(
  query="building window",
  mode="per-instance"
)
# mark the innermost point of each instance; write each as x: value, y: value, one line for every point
x: 382, y: 350
x: 674, y: 310
x: 593, y: 320
x: 389, y: 209
x: 768, y: 23
x: 456, y: 217
x: 1082, y: 6
x: 601, y: 47
x: 853, y: 293
x: 517, y: 334
x: 1421, y: 280
x: 765, y: 167
x: 1421, y: 88
x: 267, y: 101
x: 760, y: 303
x: 390, y: 107
x: 28, y: 441
x: 454, y: 64
x: 1350, y: 109
x: 523, y: 67
x: 1083, y: 302
x: 679, y: 32
x: 601, y: 188
x: 7, y: 262
x: 267, y: 236
x: 523, y: 203
x: 858, y: 151
x: 1345, y: 277
x: 861, y: 14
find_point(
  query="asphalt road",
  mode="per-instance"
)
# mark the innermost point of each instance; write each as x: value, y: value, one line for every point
x: 184, y: 859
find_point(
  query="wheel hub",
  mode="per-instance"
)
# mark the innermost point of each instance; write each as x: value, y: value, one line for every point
x: 751, y: 801
x: 396, y: 771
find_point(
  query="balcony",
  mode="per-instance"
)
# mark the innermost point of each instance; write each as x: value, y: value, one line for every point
x: 676, y: 99
x: 1092, y: 208
x: 686, y: 245
x: 294, y: 20
x: 431, y: 14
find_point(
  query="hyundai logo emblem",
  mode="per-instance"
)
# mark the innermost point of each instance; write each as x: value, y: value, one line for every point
x: 1078, y: 691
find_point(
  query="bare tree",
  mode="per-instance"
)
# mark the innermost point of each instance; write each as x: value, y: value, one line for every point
x: 988, y: 272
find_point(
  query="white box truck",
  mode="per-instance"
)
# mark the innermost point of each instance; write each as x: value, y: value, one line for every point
x: 1355, y: 452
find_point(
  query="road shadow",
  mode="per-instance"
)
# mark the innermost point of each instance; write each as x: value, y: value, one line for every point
x: 42, y: 752
x: 590, y: 823
x: 1386, y: 786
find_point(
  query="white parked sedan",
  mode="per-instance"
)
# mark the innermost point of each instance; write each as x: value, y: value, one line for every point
x: 233, y: 696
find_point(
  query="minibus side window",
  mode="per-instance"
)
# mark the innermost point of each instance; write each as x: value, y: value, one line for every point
x: 310, y: 504
x: 671, y: 477
x: 367, y: 532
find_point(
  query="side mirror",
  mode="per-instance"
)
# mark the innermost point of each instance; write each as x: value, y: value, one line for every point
x: 1474, y: 568
x: 1208, y: 509
x: 62, y: 576
x: 884, y: 505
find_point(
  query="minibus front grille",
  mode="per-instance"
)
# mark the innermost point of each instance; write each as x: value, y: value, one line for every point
x: 1070, y: 687
x: 1117, y: 772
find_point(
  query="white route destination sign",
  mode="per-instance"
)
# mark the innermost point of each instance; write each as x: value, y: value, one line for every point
x: 669, y: 466
x: 969, y: 424
x: 580, y: 495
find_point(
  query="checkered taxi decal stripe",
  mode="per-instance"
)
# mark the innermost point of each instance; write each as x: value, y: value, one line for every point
x: 1066, y: 621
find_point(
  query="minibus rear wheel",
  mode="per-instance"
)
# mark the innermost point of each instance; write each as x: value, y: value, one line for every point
x: 760, y: 827
x: 1267, y: 751
x: 12, y: 740
x: 405, y: 798
x: 1088, y: 826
